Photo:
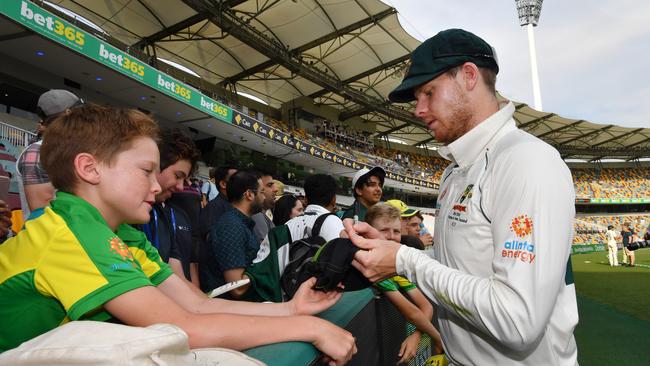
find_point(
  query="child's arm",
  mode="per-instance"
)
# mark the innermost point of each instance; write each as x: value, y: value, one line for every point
x: 423, y: 304
x: 421, y: 318
x: 145, y: 306
x: 305, y: 302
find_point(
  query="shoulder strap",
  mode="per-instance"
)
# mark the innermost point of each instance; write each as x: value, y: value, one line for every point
x: 315, y: 230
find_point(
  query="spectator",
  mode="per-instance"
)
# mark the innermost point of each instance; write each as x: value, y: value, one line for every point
x: 36, y: 191
x: 79, y: 259
x: 411, y: 221
x: 286, y: 208
x: 386, y: 219
x: 209, y: 189
x: 189, y: 200
x: 320, y: 191
x: 263, y: 222
x: 367, y: 185
x: 280, y: 186
x: 415, y: 227
x: 232, y: 245
x: 215, y: 208
x: 169, y: 228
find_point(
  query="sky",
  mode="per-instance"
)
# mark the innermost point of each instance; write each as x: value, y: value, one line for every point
x: 593, y: 56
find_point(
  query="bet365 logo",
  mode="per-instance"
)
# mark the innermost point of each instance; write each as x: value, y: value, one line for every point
x: 52, y: 24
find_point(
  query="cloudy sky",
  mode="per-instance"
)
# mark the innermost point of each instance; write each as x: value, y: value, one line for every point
x: 593, y: 56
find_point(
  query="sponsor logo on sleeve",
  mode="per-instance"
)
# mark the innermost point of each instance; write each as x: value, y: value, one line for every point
x: 520, y: 248
x: 121, y: 249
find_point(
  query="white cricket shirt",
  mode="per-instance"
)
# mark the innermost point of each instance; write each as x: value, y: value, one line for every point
x: 503, y: 235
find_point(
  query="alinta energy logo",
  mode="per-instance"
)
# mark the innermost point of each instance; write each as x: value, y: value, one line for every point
x: 522, y: 227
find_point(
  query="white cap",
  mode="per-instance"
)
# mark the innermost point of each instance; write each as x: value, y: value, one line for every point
x: 365, y: 172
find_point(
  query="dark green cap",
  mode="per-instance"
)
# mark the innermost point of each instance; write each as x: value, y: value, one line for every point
x: 445, y: 50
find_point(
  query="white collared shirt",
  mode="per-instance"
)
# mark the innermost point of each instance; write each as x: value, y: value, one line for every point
x: 503, y: 235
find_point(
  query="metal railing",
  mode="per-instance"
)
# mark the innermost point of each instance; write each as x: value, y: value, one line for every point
x: 16, y: 136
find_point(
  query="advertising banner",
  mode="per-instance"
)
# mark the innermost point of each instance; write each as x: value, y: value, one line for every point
x: 587, y: 248
x: 59, y: 30
x: 619, y: 200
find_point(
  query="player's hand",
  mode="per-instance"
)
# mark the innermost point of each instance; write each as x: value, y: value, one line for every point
x: 336, y: 343
x: 5, y: 219
x: 409, y: 348
x: 308, y: 301
x: 377, y: 259
x: 362, y: 229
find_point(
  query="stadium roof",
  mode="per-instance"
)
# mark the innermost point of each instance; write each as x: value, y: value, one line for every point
x: 347, y: 54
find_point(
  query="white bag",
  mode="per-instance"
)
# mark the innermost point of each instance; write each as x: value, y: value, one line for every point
x: 99, y: 343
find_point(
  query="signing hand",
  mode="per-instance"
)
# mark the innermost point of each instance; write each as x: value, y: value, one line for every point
x: 362, y: 229
x: 308, y: 301
x: 377, y: 261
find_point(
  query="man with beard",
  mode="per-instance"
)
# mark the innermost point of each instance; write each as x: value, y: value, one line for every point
x: 263, y: 222
x: 501, y: 276
x: 232, y: 245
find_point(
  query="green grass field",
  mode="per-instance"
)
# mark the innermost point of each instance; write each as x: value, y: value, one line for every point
x: 614, y: 308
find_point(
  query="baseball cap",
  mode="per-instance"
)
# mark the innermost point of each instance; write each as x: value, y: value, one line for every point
x: 365, y: 173
x: 55, y: 101
x: 404, y: 210
x: 445, y: 50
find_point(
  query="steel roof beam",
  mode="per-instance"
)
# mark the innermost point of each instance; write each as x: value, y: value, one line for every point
x: 309, y: 45
x: 618, y: 137
x: 586, y: 135
x: 365, y: 73
x: 275, y: 51
x: 171, y: 30
x: 560, y: 129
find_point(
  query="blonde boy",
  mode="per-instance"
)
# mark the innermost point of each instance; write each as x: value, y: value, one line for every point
x: 386, y: 219
x: 79, y: 260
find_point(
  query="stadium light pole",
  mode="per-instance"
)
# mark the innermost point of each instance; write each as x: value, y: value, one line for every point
x: 529, y: 11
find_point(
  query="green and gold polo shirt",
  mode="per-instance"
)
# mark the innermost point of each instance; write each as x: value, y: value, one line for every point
x: 65, y: 265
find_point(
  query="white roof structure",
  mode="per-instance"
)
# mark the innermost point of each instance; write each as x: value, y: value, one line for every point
x: 346, y: 54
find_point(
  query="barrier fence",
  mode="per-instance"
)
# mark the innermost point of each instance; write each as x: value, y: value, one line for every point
x: 16, y: 136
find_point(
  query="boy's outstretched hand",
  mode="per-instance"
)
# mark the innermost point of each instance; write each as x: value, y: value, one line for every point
x: 377, y: 259
x: 308, y: 301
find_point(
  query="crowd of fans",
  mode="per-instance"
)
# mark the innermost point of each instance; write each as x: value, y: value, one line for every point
x: 612, y: 183
x: 358, y: 145
x: 172, y: 239
x: 592, y: 229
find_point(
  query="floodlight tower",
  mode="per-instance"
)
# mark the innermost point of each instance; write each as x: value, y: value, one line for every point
x: 529, y: 11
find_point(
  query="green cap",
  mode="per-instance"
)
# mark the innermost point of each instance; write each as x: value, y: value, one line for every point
x: 445, y: 50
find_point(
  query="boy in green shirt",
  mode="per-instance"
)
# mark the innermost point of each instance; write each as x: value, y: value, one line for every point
x: 415, y: 308
x: 79, y: 260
